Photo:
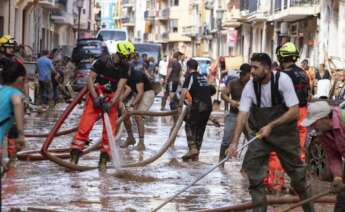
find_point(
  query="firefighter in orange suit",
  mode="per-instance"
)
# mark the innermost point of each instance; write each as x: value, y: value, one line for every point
x: 106, y: 81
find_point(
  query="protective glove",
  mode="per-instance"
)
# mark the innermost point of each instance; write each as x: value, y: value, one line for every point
x: 106, y: 107
x: 337, y: 185
x: 98, y: 101
x: 20, y: 143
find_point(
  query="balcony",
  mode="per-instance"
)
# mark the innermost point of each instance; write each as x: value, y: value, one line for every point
x: 128, y: 22
x: 149, y: 15
x: 291, y: 10
x: 190, y: 31
x: 163, y: 14
x: 159, y: 38
x: 62, y: 18
x: 127, y: 3
x: 47, y: 3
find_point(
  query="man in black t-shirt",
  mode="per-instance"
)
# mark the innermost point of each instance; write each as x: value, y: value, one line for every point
x: 201, y: 106
x: 173, y: 78
x: 106, y: 81
x: 143, y: 97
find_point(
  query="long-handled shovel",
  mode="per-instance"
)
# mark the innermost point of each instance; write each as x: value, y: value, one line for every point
x: 315, y: 197
x: 203, y: 175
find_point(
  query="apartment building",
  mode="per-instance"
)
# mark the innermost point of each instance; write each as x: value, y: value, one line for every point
x: 132, y: 18
x: 46, y: 24
x: 315, y: 26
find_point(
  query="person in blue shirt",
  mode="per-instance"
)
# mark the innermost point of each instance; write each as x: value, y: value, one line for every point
x: 12, y: 107
x: 45, y: 69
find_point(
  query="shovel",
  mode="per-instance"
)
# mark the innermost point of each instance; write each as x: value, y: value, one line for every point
x: 206, y: 173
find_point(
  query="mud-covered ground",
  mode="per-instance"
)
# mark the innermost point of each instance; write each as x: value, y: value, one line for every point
x: 45, y: 185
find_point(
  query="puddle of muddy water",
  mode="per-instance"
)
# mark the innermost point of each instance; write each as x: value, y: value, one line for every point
x: 43, y: 184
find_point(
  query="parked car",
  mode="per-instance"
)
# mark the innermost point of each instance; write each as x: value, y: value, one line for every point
x: 86, y: 49
x: 81, y: 73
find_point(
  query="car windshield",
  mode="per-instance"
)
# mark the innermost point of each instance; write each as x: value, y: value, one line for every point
x: 111, y: 35
x: 151, y: 50
x: 94, y: 43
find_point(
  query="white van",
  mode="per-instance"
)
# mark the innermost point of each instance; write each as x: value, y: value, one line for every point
x: 110, y: 37
x: 112, y: 34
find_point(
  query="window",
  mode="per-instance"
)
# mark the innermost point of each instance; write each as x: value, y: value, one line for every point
x: 174, y: 2
x: 174, y: 25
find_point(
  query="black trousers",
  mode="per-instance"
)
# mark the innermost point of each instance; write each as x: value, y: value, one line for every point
x: 195, y: 126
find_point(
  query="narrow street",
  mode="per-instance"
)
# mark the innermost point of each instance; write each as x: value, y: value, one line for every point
x: 45, y: 185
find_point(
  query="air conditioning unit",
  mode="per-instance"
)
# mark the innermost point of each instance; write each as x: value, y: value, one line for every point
x: 293, y: 29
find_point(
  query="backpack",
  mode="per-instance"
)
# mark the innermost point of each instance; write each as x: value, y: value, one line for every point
x: 301, y: 84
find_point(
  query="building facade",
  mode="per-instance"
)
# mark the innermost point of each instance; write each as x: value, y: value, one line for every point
x: 47, y: 24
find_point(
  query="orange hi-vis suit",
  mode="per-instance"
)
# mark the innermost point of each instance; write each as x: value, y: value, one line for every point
x: 89, y: 117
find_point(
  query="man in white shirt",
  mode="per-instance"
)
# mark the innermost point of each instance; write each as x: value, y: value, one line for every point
x: 163, y: 67
x: 163, y: 70
x: 270, y: 104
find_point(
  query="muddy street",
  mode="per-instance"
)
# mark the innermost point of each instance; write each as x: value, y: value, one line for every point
x: 45, y: 185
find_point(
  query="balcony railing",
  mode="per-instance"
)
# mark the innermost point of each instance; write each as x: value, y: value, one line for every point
x: 62, y: 18
x: 127, y: 20
x: 190, y: 30
x: 284, y: 4
x: 149, y: 15
x: 164, y: 13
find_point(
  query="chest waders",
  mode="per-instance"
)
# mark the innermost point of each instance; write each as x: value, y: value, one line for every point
x: 283, y: 140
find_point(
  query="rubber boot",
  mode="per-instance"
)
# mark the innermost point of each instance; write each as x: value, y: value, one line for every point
x: 75, y: 155
x: 103, y: 159
x: 140, y: 146
x: 193, y: 151
x: 129, y: 141
x: 222, y: 155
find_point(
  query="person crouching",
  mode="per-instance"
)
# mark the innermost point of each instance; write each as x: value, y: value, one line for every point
x: 106, y: 81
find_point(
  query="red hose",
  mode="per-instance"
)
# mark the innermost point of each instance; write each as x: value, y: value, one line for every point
x: 64, y: 132
x: 67, y: 111
x: 270, y: 201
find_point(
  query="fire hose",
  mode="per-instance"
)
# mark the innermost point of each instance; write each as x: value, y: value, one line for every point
x: 270, y: 201
x: 62, y: 153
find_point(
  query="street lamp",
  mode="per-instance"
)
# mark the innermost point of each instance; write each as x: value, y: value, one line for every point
x: 80, y: 4
x: 219, y: 17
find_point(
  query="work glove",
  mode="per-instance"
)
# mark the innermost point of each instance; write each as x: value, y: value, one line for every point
x: 20, y: 143
x: 106, y: 107
x: 98, y: 102
x: 337, y: 185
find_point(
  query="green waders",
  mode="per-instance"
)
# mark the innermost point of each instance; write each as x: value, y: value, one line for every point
x: 284, y: 141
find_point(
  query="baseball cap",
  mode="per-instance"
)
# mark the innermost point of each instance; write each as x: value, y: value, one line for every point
x: 316, y: 111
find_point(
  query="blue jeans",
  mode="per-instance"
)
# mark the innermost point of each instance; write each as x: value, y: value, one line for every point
x: 229, y: 128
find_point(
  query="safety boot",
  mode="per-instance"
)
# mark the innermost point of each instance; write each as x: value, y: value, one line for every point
x: 103, y: 159
x: 192, y: 153
x: 75, y: 155
x: 140, y: 146
x: 129, y: 141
